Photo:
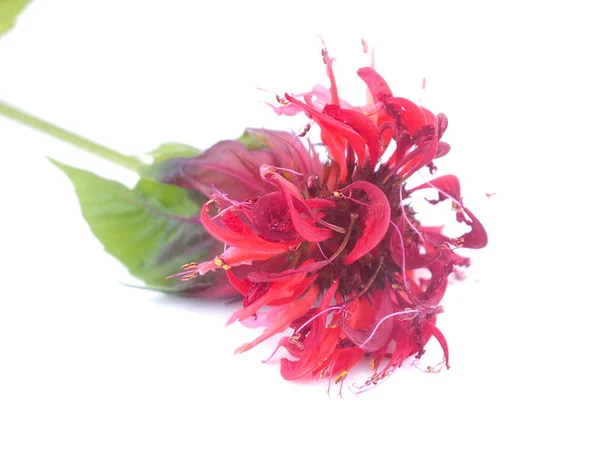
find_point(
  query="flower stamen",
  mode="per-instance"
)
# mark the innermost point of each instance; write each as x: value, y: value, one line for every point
x: 285, y: 169
x: 190, y: 270
x: 410, y: 224
x: 325, y: 311
x: 340, y: 377
x: 407, y: 288
x: 353, y: 218
x: 281, y: 100
x: 339, y: 195
x: 218, y: 261
x: 369, y: 282
x: 305, y: 130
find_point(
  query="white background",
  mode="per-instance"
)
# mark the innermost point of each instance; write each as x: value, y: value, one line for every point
x: 87, y: 363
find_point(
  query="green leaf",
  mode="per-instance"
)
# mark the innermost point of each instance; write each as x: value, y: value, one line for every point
x: 149, y: 228
x: 9, y: 10
x: 253, y: 141
x: 173, y: 150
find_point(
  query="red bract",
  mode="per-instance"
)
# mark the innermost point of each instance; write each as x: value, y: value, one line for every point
x: 329, y: 249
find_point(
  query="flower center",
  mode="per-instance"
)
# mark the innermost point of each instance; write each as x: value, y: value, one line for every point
x: 355, y: 210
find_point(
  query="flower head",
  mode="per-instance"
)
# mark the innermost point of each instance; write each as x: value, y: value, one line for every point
x: 331, y: 249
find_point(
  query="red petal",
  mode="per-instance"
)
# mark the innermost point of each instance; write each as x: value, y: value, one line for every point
x: 387, y: 132
x: 412, y: 116
x: 238, y: 234
x: 344, y: 359
x: 284, y: 317
x: 329, y: 338
x: 477, y: 237
x: 405, y: 344
x: 376, y: 220
x: 362, y: 124
x: 429, y: 116
x: 286, y: 274
x: 235, y: 256
x: 271, y: 217
x: 289, y: 289
x: 335, y: 143
x: 317, y: 346
x: 449, y: 184
x: 378, y: 88
x: 442, y: 149
x: 304, y: 224
x: 242, y: 286
x: 436, y: 286
x: 435, y: 331
x: 384, y: 331
x: 332, y: 130
x: 329, y: 63
x: 428, y: 152
x: 320, y: 203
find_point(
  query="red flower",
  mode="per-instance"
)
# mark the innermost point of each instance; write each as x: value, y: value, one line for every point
x: 330, y: 249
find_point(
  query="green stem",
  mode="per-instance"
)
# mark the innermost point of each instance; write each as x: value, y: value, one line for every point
x: 128, y: 162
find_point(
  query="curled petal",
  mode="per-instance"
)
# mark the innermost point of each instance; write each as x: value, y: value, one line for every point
x: 408, y: 255
x: 362, y: 124
x: 302, y: 216
x: 387, y: 130
x: 242, y: 286
x: 436, y: 287
x: 271, y: 217
x: 477, y: 237
x: 377, y: 86
x: 383, y: 332
x: 322, y: 346
x: 436, y: 333
x: 428, y: 154
x: 448, y: 186
x: 334, y: 142
x: 375, y: 220
x: 411, y: 115
x: 429, y: 116
x: 443, y: 148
